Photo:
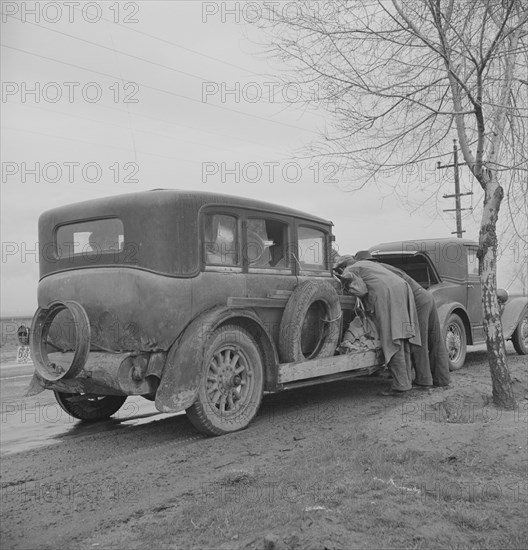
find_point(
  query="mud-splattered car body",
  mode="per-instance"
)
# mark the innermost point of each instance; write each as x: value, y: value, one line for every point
x: 135, y: 291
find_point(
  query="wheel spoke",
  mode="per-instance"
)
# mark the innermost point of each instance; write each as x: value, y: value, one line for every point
x: 214, y: 365
x: 216, y: 397
x: 225, y: 357
x: 213, y: 388
x: 234, y: 360
x: 453, y: 342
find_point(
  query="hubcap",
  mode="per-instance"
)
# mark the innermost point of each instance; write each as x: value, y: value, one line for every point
x: 229, y: 381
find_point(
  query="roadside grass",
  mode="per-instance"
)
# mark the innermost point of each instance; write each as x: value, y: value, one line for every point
x: 419, y: 501
x: 347, y: 495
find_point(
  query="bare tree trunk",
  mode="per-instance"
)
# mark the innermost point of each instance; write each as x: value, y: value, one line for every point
x: 500, y: 375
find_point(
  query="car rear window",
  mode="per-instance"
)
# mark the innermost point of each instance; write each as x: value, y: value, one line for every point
x: 90, y: 238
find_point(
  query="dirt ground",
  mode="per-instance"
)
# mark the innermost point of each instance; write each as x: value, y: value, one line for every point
x: 334, y: 466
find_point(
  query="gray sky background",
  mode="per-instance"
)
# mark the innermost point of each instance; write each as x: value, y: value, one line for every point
x: 170, y: 131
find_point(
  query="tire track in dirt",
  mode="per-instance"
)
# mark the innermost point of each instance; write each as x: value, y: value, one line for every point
x: 101, y: 447
x: 116, y: 485
x: 57, y: 495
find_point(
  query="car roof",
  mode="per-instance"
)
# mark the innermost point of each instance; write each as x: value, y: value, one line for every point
x: 195, y: 198
x: 421, y: 244
x: 447, y: 254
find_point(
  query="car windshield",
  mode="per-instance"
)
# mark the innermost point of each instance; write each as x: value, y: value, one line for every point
x: 91, y: 238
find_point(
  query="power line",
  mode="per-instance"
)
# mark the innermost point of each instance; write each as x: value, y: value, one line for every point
x: 156, y: 119
x: 174, y: 44
x: 106, y: 123
x: 149, y: 61
x: 181, y: 96
x: 106, y: 146
x: 218, y: 60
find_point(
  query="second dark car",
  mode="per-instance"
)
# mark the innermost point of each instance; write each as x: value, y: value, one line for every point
x: 449, y: 269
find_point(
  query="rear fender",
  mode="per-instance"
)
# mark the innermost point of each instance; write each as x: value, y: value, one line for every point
x: 180, y: 380
x: 512, y: 313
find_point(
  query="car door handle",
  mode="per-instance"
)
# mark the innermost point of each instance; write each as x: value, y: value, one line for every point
x: 471, y: 286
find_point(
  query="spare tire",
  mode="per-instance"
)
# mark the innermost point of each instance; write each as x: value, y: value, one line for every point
x: 311, y: 323
x: 40, y: 330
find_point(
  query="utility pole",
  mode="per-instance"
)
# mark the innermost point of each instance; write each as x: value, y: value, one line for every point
x: 457, y: 193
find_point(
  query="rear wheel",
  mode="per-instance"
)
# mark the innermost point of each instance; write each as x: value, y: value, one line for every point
x: 231, y: 384
x: 89, y: 407
x: 520, y: 336
x: 455, y: 341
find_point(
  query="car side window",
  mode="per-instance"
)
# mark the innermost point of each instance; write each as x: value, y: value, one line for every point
x: 472, y: 262
x: 221, y: 240
x: 267, y: 243
x: 312, y: 248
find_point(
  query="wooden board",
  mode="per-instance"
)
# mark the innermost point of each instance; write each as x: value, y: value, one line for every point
x: 289, y: 372
x: 279, y: 301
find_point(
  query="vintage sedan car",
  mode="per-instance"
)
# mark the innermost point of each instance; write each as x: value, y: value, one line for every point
x: 449, y: 269
x: 198, y: 301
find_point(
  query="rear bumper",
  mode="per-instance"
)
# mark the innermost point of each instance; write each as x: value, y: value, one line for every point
x: 107, y: 374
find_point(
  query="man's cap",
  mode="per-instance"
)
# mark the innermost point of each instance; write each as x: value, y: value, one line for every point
x: 344, y: 261
x: 364, y: 255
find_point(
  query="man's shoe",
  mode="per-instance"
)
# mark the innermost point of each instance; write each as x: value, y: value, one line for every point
x: 385, y: 374
x: 392, y: 393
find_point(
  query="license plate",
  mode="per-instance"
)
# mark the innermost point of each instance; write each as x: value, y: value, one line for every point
x: 23, y: 354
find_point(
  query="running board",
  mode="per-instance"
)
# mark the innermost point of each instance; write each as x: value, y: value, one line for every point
x: 327, y: 366
x: 332, y: 378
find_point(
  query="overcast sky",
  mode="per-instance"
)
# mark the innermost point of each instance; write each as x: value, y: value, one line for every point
x: 120, y: 107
